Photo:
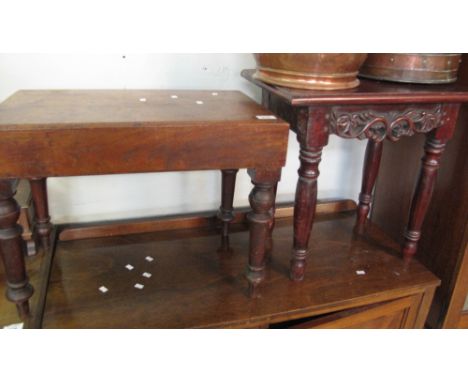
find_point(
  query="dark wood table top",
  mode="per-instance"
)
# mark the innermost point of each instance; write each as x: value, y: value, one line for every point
x: 27, y: 109
x: 369, y: 91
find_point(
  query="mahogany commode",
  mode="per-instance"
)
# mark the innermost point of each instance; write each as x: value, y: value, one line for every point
x: 48, y: 133
x: 375, y: 111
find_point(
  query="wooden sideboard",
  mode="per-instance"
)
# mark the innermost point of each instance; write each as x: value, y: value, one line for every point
x: 351, y: 282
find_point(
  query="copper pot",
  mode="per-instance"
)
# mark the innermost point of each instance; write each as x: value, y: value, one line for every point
x: 423, y: 68
x: 323, y: 71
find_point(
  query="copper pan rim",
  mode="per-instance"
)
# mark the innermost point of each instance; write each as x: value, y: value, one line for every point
x: 423, y: 70
x: 409, y: 80
x: 308, y: 74
x: 320, y: 82
x: 423, y: 54
x: 418, y: 68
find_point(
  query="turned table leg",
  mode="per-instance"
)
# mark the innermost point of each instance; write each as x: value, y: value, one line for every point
x: 226, y: 214
x: 369, y: 176
x: 422, y: 194
x: 304, y: 208
x: 261, y: 200
x: 39, y: 195
x: 11, y: 247
x: 271, y: 226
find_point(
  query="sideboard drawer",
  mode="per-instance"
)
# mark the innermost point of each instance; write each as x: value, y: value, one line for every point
x: 396, y: 314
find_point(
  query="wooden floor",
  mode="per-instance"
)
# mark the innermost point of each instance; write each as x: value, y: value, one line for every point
x: 194, y: 285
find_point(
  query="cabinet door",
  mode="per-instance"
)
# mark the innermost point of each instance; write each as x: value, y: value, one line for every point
x: 395, y: 314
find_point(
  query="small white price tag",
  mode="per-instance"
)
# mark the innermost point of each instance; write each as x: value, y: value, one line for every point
x: 103, y: 289
x: 265, y: 117
x: 139, y: 286
x: 18, y: 325
x: 146, y: 274
x: 129, y: 267
x: 360, y: 272
x: 149, y: 259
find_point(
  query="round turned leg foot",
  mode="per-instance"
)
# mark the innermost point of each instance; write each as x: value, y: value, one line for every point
x: 45, y: 241
x: 23, y: 309
x: 410, y: 245
x: 298, y: 265
x: 20, y: 294
x: 255, y: 276
x: 362, y: 213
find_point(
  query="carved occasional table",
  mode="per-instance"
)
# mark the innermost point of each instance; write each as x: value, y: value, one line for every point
x: 88, y: 132
x: 374, y: 111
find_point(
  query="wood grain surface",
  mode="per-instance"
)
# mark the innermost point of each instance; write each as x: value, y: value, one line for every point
x: 84, y: 132
x: 194, y: 286
x: 58, y: 109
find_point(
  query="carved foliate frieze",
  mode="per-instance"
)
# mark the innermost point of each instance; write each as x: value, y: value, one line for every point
x: 378, y: 125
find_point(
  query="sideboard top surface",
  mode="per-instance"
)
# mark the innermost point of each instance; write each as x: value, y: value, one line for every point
x: 193, y: 285
x: 369, y: 91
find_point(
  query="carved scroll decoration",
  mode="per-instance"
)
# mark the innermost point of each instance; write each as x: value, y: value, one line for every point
x: 380, y: 125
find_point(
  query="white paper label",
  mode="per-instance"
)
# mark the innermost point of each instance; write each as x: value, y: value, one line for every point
x: 18, y: 325
x: 265, y: 117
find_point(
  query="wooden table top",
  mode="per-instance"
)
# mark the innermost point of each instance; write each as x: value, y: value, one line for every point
x: 88, y: 132
x: 35, y: 109
x: 369, y: 91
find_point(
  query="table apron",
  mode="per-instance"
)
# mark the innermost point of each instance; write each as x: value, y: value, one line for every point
x: 81, y: 151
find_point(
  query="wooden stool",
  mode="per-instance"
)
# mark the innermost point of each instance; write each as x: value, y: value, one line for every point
x: 374, y: 111
x: 89, y: 132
